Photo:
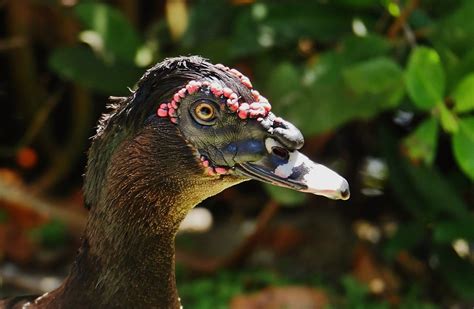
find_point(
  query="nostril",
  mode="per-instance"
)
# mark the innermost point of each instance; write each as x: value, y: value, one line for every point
x: 280, y: 124
x: 280, y: 152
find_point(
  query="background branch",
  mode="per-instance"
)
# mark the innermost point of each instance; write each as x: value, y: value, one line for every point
x: 210, y: 265
x: 22, y: 197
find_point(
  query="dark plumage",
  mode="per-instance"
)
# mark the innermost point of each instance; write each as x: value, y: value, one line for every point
x: 157, y: 154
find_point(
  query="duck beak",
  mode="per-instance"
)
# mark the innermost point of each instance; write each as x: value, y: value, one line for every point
x: 292, y: 169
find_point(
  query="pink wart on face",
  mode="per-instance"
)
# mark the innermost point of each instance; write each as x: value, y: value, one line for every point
x: 212, y: 170
x: 259, y: 108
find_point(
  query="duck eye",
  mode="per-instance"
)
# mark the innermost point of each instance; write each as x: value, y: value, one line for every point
x: 204, y: 112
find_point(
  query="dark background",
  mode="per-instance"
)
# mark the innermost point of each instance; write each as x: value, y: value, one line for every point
x: 383, y: 91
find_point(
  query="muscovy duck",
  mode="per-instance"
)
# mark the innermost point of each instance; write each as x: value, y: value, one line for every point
x: 190, y: 130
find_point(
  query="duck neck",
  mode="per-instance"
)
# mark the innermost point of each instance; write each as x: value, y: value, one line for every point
x: 138, y: 196
x: 129, y: 267
x: 122, y: 264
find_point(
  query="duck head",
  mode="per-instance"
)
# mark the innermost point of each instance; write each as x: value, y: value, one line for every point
x: 195, y: 129
x: 235, y: 134
x: 230, y: 127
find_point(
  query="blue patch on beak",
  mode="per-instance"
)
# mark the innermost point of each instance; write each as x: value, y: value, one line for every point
x: 244, y: 151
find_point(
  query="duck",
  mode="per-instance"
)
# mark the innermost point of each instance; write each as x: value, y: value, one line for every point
x: 190, y: 130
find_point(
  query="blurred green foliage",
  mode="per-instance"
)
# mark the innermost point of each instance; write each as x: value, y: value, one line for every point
x: 226, y: 285
x: 324, y: 64
x: 361, y: 76
x: 3, y: 216
x: 51, y: 235
x: 113, y: 45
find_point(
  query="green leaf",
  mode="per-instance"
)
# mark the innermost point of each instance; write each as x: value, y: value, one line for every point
x: 463, y: 95
x: 465, y: 66
x: 320, y: 98
x: 448, y: 231
x: 373, y: 76
x: 423, y: 191
x: 215, y: 17
x: 284, y: 82
x: 291, y: 21
x: 81, y: 65
x: 456, y: 29
x: 358, y: 3
x: 449, y: 121
x: 115, y: 39
x: 284, y: 23
x: 285, y: 196
x: 406, y: 238
x: 355, y: 291
x: 459, y: 273
x: 52, y: 234
x: 425, y: 78
x: 421, y: 144
x: 452, y: 65
x: 463, y: 146
x: 357, y: 48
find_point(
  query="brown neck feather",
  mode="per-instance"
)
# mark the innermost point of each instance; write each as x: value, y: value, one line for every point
x: 127, y: 255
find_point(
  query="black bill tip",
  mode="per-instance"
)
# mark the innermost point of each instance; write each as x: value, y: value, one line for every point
x: 344, y: 190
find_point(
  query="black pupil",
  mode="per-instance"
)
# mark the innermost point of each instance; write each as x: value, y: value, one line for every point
x: 205, y: 111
